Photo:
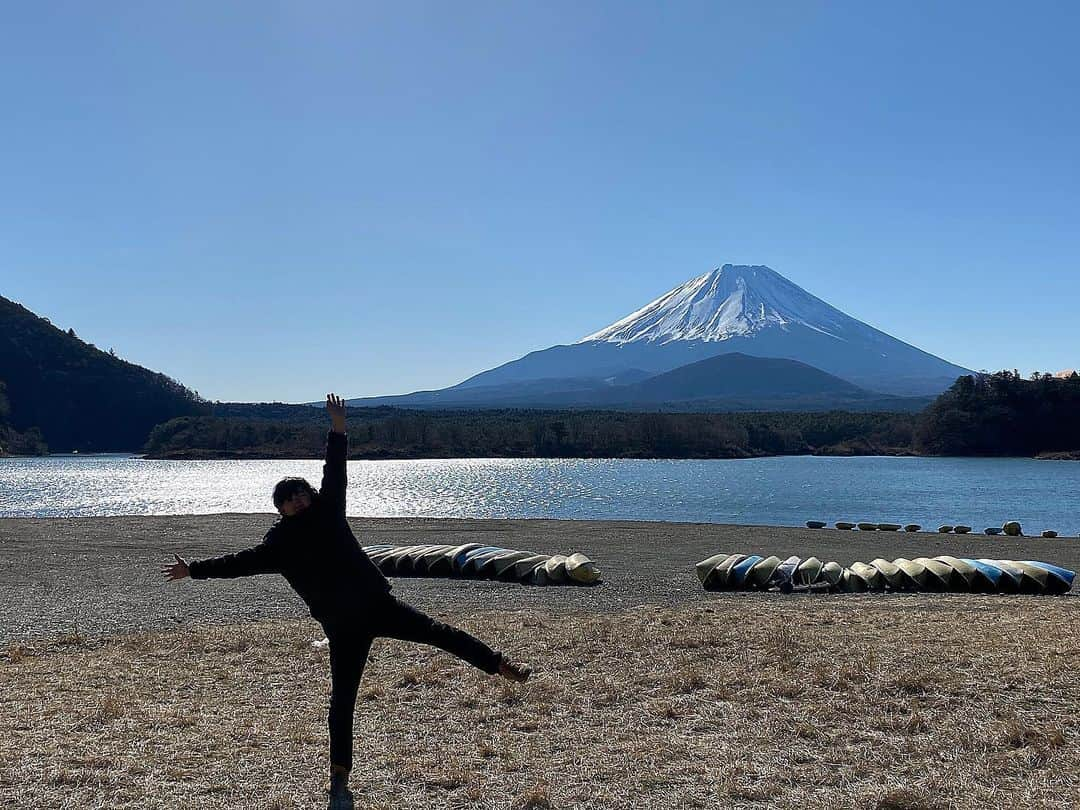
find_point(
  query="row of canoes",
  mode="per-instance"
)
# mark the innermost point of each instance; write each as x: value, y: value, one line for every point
x: 1011, y: 528
x: 477, y: 561
x: 726, y: 572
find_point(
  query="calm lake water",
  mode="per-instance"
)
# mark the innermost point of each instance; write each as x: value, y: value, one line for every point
x: 777, y: 491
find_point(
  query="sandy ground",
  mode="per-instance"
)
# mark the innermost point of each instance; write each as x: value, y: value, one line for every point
x: 100, y: 575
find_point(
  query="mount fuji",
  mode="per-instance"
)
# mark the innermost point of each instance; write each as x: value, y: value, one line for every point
x: 747, y: 310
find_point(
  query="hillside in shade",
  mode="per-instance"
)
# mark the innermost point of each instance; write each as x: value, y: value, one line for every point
x: 77, y: 396
x: 726, y: 382
x: 737, y: 375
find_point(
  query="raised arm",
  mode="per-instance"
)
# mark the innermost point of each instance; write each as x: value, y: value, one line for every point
x: 334, y: 481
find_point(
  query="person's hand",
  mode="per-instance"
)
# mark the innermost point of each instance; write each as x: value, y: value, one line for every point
x: 335, y: 406
x: 177, y: 570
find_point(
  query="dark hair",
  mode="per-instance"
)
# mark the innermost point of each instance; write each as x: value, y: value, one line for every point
x: 287, y: 487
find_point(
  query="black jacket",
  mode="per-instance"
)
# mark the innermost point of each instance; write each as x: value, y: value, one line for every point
x: 315, y: 551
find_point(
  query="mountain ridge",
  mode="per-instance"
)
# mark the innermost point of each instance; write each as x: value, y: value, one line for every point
x: 79, y: 397
x: 750, y: 309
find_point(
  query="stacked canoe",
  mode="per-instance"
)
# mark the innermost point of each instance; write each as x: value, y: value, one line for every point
x: 739, y: 572
x: 477, y: 561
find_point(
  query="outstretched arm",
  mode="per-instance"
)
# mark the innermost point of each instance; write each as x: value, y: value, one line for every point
x: 334, y: 480
x: 260, y: 559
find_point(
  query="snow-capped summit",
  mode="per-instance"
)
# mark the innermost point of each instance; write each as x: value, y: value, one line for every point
x: 731, y: 301
x: 749, y: 310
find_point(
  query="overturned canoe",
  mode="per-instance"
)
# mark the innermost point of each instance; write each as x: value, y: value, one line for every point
x: 914, y: 572
x: 709, y: 564
x: 720, y: 577
x: 939, y: 576
x: 868, y: 574
x: 740, y: 570
x: 1059, y: 580
x: 894, y: 578
x: 760, y: 574
x: 990, y: 581
x: 807, y: 573
x: 581, y: 569
x: 964, y: 573
x: 782, y: 576
x: 832, y: 573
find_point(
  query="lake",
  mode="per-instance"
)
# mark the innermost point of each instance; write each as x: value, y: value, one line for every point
x: 784, y: 491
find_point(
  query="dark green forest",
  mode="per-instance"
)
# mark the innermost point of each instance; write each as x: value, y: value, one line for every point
x: 1003, y: 414
x: 74, y: 396
x: 998, y: 414
x: 392, y: 433
x: 12, y: 442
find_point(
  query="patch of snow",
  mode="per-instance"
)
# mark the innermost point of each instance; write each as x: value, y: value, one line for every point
x: 731, y: 301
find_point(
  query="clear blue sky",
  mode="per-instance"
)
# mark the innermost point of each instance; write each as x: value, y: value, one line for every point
x: 272, y: 200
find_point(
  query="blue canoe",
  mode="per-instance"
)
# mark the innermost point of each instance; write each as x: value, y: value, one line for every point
x: 467, y: 555
x: 991, y: 572
x: 739, y: 572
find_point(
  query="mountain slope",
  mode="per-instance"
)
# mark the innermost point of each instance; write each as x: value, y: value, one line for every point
x: 80, y: 398
x: 741, y: 376
x: 748, y: 309
x: 728, y: 382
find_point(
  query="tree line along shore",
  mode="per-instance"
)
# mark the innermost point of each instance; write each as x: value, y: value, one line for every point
x: 60, y: 394
x: 1000, y: 414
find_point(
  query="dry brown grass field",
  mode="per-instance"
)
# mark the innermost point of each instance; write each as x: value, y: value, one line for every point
x: 894, y: 703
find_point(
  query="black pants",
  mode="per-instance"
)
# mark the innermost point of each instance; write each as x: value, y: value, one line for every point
x: 349, y: 645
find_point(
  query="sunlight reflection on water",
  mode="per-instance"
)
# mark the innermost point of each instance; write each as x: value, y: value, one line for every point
x: 780, y: 491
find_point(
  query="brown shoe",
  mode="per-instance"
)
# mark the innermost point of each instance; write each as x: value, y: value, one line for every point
x: 513, y: 671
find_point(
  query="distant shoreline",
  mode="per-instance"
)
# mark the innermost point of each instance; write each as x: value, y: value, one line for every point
x: 220, y: 455
x: 203, y: 455
x: 1070, y: 455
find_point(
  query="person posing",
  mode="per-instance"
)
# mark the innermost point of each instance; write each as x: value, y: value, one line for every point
x: 312, y: 546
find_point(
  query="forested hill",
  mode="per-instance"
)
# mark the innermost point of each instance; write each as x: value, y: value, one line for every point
x: 1003, y: 414
x: 80, y: 398
x: 12, y: 442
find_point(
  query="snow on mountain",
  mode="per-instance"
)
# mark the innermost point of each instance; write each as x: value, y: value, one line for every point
x: 731, y: 301
x: 736, y: 308
x: 751, y: 310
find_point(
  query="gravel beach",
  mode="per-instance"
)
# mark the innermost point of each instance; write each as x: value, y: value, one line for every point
x: 122, y: 691
x: 100, y: 575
